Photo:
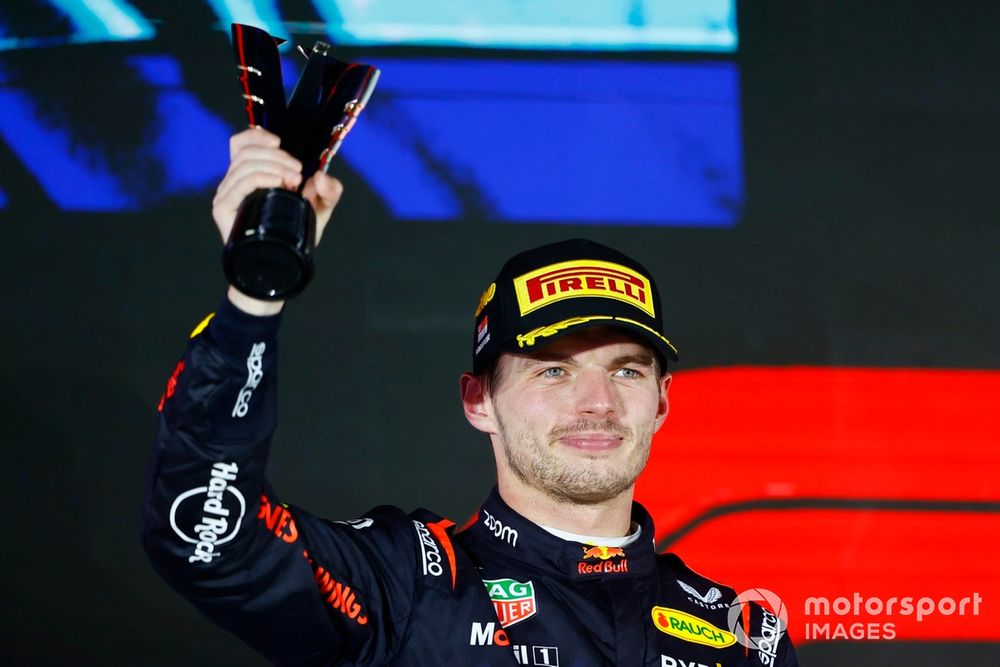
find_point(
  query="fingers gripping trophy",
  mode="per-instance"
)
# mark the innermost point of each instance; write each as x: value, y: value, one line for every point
x: 269, y: 251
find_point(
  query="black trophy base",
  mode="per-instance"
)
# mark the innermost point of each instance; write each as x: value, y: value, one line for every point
x: 269, y: 252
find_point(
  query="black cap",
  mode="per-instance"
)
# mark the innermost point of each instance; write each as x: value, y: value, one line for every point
x: 543, y: 293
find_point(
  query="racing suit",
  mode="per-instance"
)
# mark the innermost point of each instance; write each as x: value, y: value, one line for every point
x: 392, y: 588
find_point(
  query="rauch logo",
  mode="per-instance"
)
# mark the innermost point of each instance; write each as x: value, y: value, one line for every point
x: 691, y: 628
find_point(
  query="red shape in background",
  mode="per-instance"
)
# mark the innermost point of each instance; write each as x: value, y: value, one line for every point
x: 806, y: 436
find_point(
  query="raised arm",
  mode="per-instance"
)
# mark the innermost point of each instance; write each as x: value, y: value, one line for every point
x: 256, y: 161
x: 298, y: 589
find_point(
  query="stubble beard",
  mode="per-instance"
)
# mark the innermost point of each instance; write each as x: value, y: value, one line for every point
x: 536, y: 465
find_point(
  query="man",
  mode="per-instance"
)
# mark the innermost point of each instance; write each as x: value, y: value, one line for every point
x: 569, y: 382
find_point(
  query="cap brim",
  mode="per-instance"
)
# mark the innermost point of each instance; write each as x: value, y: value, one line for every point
x: 526, y: 342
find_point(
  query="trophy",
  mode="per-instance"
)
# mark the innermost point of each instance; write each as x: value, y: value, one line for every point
x: 269, y: 253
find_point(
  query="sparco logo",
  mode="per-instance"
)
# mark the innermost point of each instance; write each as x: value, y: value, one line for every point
x: 429, y: 550
x: 501, y: 531
x: 255, y: 373
x: 221, y: 516
x: 770, y: 635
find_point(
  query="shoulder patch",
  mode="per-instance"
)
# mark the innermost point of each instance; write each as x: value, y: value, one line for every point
x: 434, y: 539
x: 201, y: 325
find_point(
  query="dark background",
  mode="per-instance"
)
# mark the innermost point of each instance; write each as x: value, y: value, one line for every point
x: 870, y: 238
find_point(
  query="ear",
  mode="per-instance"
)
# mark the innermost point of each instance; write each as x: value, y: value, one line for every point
x: 476, y: 403
x: 664, y: 404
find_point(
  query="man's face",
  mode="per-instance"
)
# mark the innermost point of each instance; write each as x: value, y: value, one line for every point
x: 575, y: 419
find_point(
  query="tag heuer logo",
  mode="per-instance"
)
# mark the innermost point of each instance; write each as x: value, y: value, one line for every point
x: 512, y: 600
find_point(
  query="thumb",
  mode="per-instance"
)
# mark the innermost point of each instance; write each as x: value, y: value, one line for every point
x: 323, y: 192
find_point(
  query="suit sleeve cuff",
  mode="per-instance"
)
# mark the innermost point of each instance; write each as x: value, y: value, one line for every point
x: 233, y: 329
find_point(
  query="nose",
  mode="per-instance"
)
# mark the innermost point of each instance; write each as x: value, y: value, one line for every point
x: 595, y: 394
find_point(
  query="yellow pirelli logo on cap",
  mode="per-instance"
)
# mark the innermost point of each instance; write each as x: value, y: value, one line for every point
x: 690, y: 628
x: 586, y: 277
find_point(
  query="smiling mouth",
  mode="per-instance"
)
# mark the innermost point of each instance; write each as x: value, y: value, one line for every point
x: 596, y: 442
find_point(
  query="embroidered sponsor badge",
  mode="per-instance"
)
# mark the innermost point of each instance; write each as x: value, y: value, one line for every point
x: 578, y: 278
x: 512, y: 600
x: 604, y: 553
x: 486, y: 298
x: 690, y: 628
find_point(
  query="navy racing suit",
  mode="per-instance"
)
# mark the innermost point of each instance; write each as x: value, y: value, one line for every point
x: 391, y: 588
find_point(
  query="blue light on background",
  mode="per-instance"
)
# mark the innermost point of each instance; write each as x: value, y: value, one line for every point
x: 691, y: 25
x: 188, y: 144
x: 574, y: 142
x: 91, y: 21
x: 75, y: 178
x: 263, y: 14
x: 447, y: 139
x: 191, y: 144
x: 603, y: 25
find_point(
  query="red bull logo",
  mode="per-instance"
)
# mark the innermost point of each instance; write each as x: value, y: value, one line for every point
x: 604, y: 565
x: 603, y: 553
x: 579, y: 278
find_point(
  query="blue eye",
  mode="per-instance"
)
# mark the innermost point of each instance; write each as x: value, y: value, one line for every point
x: 553, y: 372
x: 629, y: 373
